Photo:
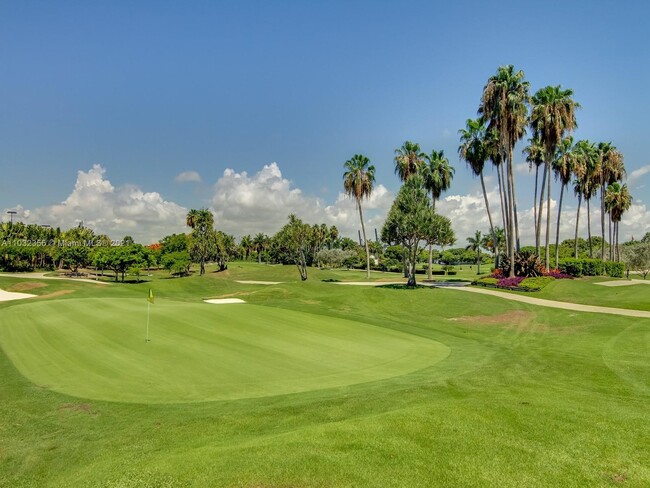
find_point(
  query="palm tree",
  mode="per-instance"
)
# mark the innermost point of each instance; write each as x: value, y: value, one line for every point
x: 358, y: 182
x: 563, y: 166
x: 495, y: 243
x: 437, y: 174
x: 475, y: 244
x: 552, y: 116
x: 333, y: 235
x: 246, y: 244
x: 260, y: 241
x: 491, y: 142
x: 473, y: 150
x: 617, y: 201
x: 586, y: 161
x: 504, y: 105
x: 408, y: 160
x: 610, y: 170
x: 203, y: 237
x: 535, y: 158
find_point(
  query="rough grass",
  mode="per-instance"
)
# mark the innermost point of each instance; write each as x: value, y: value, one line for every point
x: 527, y: 397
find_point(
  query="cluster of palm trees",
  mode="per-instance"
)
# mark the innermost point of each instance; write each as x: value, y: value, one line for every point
x: 410, y: 160
x: 506, y: 111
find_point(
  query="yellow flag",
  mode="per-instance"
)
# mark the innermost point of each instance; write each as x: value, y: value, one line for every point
x: 150, y: 295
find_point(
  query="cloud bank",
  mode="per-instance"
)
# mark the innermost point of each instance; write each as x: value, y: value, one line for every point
x: 261, y: 202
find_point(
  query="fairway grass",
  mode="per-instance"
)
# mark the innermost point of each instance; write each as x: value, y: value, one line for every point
x: 94, y: 348
x: 521, y: 396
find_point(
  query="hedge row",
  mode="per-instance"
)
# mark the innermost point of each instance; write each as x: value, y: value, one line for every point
x: 592, y: 267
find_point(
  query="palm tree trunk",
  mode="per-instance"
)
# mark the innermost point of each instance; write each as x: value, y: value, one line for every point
x: 575, y: 242
x: 433, y: 209
x: 591, y: 251
x: 535, y: 204
x: 538, y: 224
x: 487, y: 205
x: 611, y: 242
x: 602, y: 221
x: 547, y: 255
x: 504, y: 205
x: 365, y: 241
x: 557, y: 232
x: 511, y: 216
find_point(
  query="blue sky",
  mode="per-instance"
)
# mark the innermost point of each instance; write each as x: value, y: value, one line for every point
x: 149, y: 90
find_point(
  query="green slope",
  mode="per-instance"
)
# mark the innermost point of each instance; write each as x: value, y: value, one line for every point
x: 94, y: 348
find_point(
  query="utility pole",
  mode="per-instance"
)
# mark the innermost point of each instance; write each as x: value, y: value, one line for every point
x: 12, y: 213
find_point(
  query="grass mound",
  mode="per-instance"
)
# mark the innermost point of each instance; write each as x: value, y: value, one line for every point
x: 95, y: 348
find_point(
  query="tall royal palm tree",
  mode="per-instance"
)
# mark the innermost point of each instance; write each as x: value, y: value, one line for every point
x: 563, y: 166
x: 617, y: 201
x: 504, y: 105
x: 551, y: 118
x: 358, y: 182
x: 437, y: 174
x: 610, y: 170
x: 585, y: 164
x: 473, y: 150
x: 408, y: 160
x: 534, y: 157
x: 475, y: 244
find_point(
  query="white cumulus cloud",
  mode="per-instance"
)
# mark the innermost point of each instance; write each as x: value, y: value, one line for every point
x: 108, y: 210
x: 188, y: 177
x: 261, y: 202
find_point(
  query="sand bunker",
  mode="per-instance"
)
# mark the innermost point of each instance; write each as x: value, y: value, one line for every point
x: 221, y: 301
x: 5, y: 296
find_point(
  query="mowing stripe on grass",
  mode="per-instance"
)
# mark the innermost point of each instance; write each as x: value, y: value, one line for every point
x: 95, y: 348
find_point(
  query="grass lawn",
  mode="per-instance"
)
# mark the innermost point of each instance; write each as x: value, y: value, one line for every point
x: 313, y: 384
x: 585, y: 291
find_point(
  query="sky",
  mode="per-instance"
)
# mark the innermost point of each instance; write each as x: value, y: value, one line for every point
x: 125, y: 115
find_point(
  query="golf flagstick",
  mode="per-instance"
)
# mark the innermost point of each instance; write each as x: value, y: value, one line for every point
x: 149, y: 302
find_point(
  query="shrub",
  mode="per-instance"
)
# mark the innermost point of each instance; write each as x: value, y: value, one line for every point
x: 593, y: 267
x: 510, y: 282
x: 535, y: 284
x: 557, y: 274
x: 614, y: 269
x: 487, y: 281
x: 571, y: 267
x: 526, y: 264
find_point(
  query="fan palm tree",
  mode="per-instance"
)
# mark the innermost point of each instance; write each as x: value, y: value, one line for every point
x: 475, y: 244
x: 617, y: 201
x: 358, y: 182
x: 535, y: 158
x: 246, y: 245
x: 584, y: 186
x: 260, y: 242
x: 495, y: 243
x: 408, y: 160
x: 437, y: 174
x: 563, y: 166
x: 333, y: 235
x: 610, y: 170
x: 504, y: 105
x: 473, y: 150
x: 552, y: 116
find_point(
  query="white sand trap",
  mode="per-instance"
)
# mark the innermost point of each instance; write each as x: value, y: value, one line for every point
x: 623, y: 283
x: 249, y: 282
x: 5, y: 296
x: 221, y: 301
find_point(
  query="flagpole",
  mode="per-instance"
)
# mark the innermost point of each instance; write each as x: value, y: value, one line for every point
x: 148, y: 305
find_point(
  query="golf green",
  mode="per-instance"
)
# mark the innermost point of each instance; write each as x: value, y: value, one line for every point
x: 94, y: 348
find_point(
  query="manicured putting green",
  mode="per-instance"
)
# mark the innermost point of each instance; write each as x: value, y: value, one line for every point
x: 95, y: 348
